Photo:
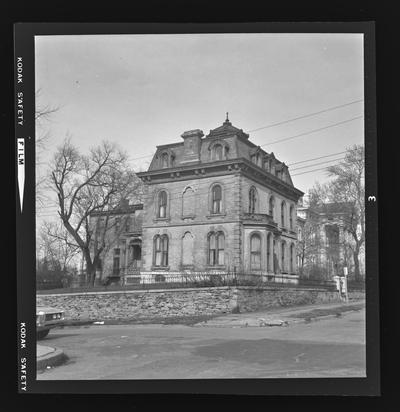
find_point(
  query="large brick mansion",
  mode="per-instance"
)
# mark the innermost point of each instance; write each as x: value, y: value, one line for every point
x: 212, y: 204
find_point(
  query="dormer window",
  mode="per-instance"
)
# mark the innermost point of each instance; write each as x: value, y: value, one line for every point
x: 257, y: 159
x: 164, y: 160
x: 217, y: 152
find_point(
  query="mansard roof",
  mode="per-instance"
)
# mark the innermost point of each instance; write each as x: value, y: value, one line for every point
x: 198, y: 151
x: 227, y: 129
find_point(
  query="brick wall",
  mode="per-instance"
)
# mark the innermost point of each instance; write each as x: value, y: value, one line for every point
x: 180, y: 302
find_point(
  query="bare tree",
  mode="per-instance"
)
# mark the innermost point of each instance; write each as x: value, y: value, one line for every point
x: 347, y: 192
x: 309, y: 246
x: 43, y: 114
x: 99, y: 182
x: 56, y: 244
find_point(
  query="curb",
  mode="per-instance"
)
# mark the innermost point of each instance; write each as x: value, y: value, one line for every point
x: 286, y: 321
x: 55, y: 358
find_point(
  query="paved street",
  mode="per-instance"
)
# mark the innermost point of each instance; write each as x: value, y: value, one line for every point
x: 331, y: 347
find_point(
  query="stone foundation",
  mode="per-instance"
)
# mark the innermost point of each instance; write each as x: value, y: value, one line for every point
x: 136, y: 304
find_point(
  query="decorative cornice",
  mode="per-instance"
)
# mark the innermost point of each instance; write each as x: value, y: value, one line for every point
x: 229, y: 166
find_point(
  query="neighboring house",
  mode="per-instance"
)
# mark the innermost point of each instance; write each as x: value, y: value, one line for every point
x: 323, y: 244
x: 120, y: 233
x: 218, y: 204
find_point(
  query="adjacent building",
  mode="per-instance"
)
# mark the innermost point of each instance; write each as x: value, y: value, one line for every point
x: 324, y: 246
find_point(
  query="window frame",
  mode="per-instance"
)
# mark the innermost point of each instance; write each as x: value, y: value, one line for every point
x: 164, y: 157
x: 213, y: 210
x: 253, y: 199
x: 271, y: 206
x: 283, y: 214
x: 216, y: 254
x: 283, y: 256
x: 160, y: 205
x: 255, y: 253
x: 160, y: 251
x: 291, y: 217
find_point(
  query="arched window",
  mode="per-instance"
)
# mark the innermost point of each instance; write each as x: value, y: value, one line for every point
x: 216, y: 196
x: 164, y: 160
x: 283, y: 257
x: 216, y: 248
x: 271, y: 206
x: 292, y: 258
x: 217, y: 150
x: 252, y: 200
x: 283, y: 212
x: 160, y: 250
x: 291, y: 217
x: 162, y: 204
x: 255, y: 252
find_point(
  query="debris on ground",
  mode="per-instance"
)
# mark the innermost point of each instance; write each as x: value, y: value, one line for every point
x: 272, y: 322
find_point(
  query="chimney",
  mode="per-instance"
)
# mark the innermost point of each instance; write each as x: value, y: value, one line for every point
x: 192, y: 145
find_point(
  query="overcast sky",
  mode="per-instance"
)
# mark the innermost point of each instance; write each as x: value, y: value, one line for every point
x: 145, y: 90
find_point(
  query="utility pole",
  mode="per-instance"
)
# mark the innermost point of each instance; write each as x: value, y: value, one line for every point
x: 345, y: 272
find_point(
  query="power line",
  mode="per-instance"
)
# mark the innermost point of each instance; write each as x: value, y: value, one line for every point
x: 315, y: 170
x: 320, y: 163
x: 142, y: 157
x: 312, y: 131
x: 316, y: 158
x: 306, y: 115
x: 286, y: 121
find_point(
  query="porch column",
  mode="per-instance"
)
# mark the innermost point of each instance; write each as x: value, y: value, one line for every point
x: 277, y: 252
x: 271, y: 252
x: 126, y: 255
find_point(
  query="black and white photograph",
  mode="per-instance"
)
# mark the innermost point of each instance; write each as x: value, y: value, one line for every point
x: 200, y: 205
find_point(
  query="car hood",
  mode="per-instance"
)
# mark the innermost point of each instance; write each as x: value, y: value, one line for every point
x: 47, y: 309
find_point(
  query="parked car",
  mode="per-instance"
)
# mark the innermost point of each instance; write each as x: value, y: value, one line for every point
x: 46, y: 319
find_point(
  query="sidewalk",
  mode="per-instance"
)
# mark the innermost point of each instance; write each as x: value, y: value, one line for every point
x: 284, y: 316
x: 48, y: 357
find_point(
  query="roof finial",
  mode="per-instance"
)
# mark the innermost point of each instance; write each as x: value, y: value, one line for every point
x: 227, y: 119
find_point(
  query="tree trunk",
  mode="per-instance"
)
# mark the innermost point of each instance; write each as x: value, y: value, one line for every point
x: 357, y: 276
x: 91, y: 273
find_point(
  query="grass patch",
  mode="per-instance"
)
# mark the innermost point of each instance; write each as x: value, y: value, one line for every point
x: 170, y: 320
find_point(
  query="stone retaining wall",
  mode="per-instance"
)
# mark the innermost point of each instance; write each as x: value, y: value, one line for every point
x: 180, y: 302
x: 253, y: 299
